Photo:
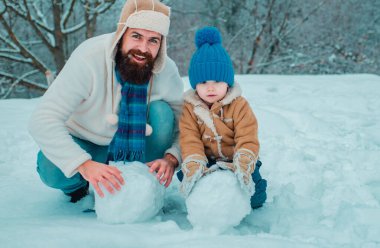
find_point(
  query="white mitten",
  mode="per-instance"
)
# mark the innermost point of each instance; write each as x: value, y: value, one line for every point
x: 219, y: 165
x: 193, y: 169
x: 244, y: 162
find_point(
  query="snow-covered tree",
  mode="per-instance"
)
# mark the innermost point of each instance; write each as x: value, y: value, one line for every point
x: 37, y: 37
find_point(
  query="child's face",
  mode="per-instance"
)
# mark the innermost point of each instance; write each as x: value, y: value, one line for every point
x: 212, y: 91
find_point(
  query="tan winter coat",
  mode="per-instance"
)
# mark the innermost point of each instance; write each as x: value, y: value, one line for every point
x: 218, y: 132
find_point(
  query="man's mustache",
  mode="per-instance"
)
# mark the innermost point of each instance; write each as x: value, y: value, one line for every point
x: 147, y: 55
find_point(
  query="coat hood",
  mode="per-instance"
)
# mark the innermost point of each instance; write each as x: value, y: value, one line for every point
x: 151, y: 15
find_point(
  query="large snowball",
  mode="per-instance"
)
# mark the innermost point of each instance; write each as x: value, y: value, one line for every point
x: 140, y: 198
x: 217, y: 202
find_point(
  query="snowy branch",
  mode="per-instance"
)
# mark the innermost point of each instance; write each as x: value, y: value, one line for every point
x: 74, y: 28
x: 66, y: 15
x: 100, y: 8
x: 15, y: 58
x: 231, y: 41
x: 23, y: 14
x: 36, y: 28
x: 23, y: 81
x: 23, y: 50
x: 106, y: 5
x: 11, y: 44
x: 7, y: 50
x: 43, y: 19
x: 295, y: 27
x: 18, y: 80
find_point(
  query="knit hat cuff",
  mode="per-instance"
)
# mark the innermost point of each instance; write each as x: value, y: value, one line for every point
x: 149, y: 20
x: 201, y: 72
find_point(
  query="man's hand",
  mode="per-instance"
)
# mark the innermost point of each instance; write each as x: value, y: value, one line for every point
x: 96, y: 173
x: 164, y: 168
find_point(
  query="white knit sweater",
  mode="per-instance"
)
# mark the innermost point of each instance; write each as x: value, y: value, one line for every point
x: 81, y: 97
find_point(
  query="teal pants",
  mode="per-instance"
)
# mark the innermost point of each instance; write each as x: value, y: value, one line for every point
x: 161, y: 118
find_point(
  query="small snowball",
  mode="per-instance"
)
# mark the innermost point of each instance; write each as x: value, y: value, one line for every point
x: 217, y: 202
x: 140, y: 198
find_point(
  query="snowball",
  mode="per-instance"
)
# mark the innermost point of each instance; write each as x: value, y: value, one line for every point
x: 140, y: 198
x: 217, y: 202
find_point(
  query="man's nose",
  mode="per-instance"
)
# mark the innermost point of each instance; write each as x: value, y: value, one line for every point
x: 143, y: 46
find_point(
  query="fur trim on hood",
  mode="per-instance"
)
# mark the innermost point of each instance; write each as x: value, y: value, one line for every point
x: 192, y: 97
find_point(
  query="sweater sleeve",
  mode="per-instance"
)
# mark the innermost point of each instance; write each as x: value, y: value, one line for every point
x: 174, y: 98
x: 190, y: 134
x: 246, y: 127
x: 47, y: 124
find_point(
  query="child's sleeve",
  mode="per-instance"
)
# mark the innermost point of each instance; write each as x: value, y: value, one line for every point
x: 247, y: 144
x: 246, y: 127
x: 190, y: 134
x: 192, y: 149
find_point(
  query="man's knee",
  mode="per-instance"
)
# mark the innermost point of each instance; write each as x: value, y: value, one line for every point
x: 49, y: 173
x: 161, y: 118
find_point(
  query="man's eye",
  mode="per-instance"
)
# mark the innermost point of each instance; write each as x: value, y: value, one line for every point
x: 154, y: 41
x: 135, y: 36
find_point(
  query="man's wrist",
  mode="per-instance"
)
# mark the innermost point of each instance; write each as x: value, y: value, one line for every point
x: 83, y: 166
x: 173, y: 160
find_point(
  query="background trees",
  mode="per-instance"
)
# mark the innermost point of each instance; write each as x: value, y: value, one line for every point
x: 38, y: 36
x: 262, y: 36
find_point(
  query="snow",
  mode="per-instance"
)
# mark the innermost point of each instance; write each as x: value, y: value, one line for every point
x: 217, y: 203
x: 137, y: 201
x: 320, y: 148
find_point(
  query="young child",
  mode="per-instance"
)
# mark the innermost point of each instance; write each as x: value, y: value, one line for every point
x: 218, y: 128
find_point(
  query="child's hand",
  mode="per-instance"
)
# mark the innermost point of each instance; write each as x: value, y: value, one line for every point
x: 192, y: 171
x: 244, y: 162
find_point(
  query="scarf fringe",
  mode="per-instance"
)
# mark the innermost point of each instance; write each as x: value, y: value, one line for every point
x: 129, y: 156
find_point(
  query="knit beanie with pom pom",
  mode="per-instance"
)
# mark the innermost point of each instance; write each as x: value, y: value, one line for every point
x: 210, y: 61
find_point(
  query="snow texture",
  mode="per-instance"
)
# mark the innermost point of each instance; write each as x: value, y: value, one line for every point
x: 140, y: 198
x: 217, y: 202
x: 320, y: 148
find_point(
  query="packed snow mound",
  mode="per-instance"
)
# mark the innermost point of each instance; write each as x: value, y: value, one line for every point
x: 217, y: 202
x: 140, y: 198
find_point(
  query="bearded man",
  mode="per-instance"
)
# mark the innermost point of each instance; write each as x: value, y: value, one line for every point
x: 118, y: 98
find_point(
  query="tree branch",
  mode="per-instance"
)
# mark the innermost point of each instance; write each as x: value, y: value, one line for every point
x: 18, y: 81
x: 24, y: 16
x: 9, y: 43
x: 23, y: 50
x: 35, y: 27
x: 292, y: 29
x: 15, y: 58
x: 67, y: 14
x: 25, y: 82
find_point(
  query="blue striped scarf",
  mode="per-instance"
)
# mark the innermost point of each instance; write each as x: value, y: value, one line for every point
x: 128, y: 143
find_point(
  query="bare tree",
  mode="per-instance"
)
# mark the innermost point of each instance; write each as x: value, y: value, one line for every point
x: 36, y: 35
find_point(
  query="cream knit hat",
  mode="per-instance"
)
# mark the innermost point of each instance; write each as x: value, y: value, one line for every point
x: 151, y: 15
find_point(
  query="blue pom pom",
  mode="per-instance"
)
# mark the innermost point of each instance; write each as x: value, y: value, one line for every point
x: 208, y: 35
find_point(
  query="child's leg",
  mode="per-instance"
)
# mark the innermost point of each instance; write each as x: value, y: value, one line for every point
x: 161, y: 118
x: 260, y: 195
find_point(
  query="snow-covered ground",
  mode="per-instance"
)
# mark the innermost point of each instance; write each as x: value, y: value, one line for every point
x: 320, y: 148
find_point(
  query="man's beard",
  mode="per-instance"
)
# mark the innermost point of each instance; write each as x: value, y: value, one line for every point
x: 131, y: 71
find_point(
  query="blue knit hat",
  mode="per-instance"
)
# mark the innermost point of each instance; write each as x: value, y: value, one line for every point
x: 210, y: 61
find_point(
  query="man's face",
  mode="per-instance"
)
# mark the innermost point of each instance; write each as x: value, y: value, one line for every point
x: 144, y: 41
x: 136, y: 54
